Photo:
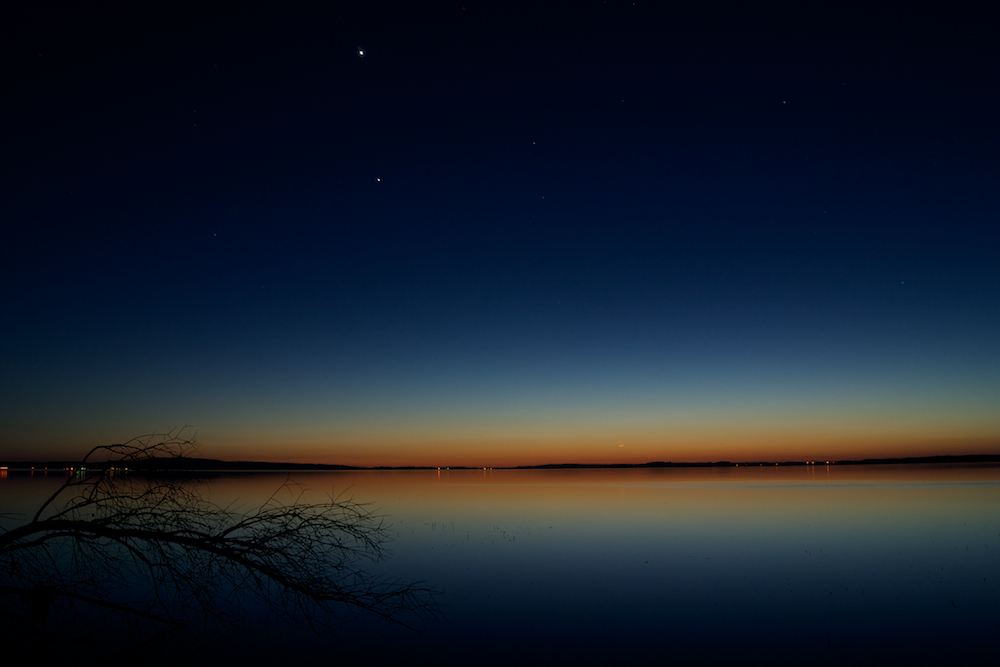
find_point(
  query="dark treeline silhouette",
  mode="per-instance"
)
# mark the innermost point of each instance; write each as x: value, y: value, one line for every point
x: 187, y: 463
x: 119, y: 561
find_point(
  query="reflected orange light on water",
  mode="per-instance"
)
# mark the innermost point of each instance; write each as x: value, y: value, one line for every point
x: 603, y: 497
x: 564, y: 556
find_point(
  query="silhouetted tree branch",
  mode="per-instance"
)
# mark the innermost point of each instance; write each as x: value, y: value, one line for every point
x: 145, y: 549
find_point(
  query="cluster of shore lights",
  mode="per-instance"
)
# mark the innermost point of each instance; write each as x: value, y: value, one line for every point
x: 81, y: 469
x: 808, y: 463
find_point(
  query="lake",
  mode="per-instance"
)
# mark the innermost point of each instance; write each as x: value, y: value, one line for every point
x: 830, y: 564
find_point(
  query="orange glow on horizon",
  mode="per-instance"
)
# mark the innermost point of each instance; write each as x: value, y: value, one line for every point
x: 510, y: 453
x: 485, y: 445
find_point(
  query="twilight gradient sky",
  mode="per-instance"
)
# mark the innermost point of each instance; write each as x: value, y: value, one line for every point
x: 594, y: 232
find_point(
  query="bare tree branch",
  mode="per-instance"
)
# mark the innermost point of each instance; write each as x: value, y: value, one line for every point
x: 148, y: 548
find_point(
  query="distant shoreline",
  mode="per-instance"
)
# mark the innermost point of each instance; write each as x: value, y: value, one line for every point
x: 186, y: 464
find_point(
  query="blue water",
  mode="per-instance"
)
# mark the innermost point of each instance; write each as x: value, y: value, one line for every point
x: 851, y: 565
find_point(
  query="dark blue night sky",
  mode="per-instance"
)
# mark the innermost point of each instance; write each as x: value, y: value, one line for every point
x: 501, y: 235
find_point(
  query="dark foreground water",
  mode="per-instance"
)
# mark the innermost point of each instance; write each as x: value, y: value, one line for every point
x: 827, y: 565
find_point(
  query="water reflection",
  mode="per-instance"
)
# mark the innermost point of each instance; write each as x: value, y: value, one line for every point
x: 849, y: 563
x: 827, y: 564
x: 141, y: 563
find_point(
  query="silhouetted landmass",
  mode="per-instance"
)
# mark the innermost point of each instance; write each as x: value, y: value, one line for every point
x: 969, y: 458
x: 183, y: 464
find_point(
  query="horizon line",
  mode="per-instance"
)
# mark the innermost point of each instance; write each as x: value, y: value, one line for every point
x: 190, y: 463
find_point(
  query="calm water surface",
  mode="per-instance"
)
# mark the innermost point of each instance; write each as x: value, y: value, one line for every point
x: 839, y: 564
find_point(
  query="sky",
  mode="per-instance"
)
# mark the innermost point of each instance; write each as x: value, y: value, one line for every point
x: 495, y: 234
